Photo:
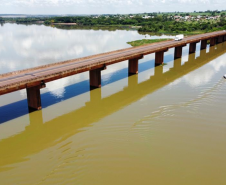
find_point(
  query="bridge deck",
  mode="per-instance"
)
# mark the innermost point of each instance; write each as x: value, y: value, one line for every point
x: 17, y: 80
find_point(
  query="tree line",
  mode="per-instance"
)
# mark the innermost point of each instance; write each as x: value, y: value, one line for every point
x: 157, y: 23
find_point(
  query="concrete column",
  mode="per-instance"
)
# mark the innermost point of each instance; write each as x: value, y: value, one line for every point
x: 203, y: 44
x: 95, y: 78
x: 178, y: 52
x: 192, y: 47
x: 133, y: 66
x: 34, y: 98
x: 212, y: 41
x: 159, y: 57
x: 220, y: 39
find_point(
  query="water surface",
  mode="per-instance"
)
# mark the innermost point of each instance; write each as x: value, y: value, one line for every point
x: 165, y: 125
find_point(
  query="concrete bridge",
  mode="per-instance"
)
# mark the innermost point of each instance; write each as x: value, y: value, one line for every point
x: 78, y: 119
x: 36, y: 78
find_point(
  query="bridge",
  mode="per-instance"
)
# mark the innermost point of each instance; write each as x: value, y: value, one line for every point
x: 78, y: 119
x: 34, y: 79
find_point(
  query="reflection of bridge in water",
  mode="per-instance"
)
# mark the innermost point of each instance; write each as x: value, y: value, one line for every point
x: 36, y: 78
x: 16, y: 148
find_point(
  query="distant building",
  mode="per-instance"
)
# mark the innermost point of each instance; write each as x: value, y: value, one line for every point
x: 177, y: 17
x: 146, y: 17
x: 187, y: 17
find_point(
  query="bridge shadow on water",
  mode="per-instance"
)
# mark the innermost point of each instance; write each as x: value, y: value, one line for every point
x: 18, y: 109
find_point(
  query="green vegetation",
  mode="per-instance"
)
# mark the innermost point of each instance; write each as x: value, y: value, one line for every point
x: 1, y: 20
x: 184, y: 27
x: 177, y: 22
x: 24, y: 20
x: 109, y: 28
x: 145, y: 41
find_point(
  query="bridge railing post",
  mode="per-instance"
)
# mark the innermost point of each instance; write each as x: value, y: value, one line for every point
x: 159, y: 57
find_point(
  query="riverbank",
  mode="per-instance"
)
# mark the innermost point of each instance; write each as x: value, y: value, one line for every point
x: 146, y: 41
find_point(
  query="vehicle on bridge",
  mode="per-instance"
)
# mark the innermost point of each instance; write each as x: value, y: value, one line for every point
x: 179, y: 37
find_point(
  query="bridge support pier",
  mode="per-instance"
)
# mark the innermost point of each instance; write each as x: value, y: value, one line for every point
x: 213, y: 41
x: 133, y: 65
x: 203, y: 44
x: 178, y: 52
x: 224, y: 37
x: 220, y: 39
x: 159, y: 57
x: 34, y: 98
x: 192, y: 47
x: 95, y: 78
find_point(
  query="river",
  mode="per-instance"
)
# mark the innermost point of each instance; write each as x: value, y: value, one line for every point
x: 165, y: 125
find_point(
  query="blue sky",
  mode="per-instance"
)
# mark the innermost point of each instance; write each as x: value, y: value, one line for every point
x: 106, y: 6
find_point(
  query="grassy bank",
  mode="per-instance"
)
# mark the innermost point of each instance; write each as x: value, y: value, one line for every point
x: 145, y: 41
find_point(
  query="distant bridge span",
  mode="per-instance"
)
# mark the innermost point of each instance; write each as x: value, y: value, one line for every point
x: 34, y: 79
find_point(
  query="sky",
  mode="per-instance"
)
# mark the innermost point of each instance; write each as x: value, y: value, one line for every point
x: 106, y: 6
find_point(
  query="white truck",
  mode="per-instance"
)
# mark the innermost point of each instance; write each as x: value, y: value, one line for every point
x: 179, y: 37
